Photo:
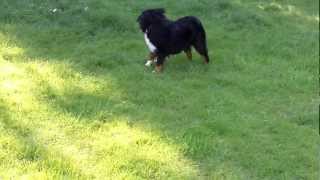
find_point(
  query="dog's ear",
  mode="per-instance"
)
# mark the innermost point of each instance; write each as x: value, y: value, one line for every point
x: 157, y: 14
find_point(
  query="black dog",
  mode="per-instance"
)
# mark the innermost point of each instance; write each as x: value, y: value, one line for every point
x: 165, y: 37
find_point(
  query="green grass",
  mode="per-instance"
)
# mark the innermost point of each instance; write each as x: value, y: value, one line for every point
x: 76, y: 101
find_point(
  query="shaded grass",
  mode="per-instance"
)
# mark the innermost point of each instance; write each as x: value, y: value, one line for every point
x: 77, y: 102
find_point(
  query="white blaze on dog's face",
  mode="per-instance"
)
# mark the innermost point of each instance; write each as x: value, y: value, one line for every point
x: 151, y: 47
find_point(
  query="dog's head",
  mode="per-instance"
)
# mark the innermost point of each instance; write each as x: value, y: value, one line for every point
x: 149, y: 17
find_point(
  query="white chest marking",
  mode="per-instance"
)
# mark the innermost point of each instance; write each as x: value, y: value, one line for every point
x: 151, y: 47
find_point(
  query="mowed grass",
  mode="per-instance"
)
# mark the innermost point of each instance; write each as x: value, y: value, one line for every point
x: 76, y: 101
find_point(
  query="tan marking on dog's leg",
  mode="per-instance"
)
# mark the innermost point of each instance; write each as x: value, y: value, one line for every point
x: 189, y: 54
x: 159, y: 68
x: 152, y: 56
x: 152, y: 59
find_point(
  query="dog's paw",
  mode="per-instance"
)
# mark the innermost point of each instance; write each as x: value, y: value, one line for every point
x: 149, y: 63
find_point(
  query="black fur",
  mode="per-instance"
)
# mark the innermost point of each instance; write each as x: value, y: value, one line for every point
x: 172, y: 37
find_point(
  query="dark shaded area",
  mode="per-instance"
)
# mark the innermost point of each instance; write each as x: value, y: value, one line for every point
x: 86, y: 16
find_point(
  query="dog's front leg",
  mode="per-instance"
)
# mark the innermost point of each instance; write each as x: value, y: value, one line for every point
x: 159, y: 63
x: 152, y: 59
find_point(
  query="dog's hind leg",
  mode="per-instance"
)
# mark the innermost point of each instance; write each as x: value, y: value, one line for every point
x: 188, y: 53
x: 200, y: 45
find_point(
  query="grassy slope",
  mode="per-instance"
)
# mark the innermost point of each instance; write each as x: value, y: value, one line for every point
x: 76, y: 101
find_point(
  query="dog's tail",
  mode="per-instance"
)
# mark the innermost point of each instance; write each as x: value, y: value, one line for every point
x: 200, y: 40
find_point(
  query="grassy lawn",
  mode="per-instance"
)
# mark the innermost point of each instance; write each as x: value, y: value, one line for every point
x: 76, y: 101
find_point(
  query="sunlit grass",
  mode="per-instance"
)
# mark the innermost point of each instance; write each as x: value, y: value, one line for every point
x: 116, y: 148
x: 288, y: 10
